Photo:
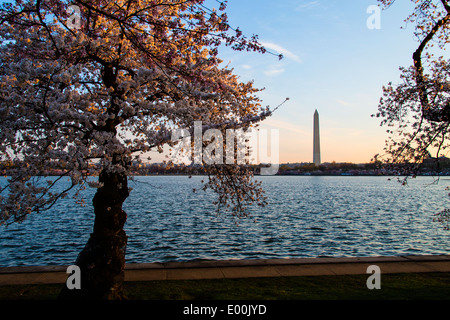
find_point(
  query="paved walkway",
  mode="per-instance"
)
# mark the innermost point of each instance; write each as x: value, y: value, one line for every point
x: 240, y: 269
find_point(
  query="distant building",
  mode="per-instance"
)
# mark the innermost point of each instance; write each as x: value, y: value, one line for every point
x: 442, y: 161
x: 316, y: 151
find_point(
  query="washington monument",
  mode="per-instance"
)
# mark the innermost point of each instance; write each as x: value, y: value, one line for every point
x: 316, y: 155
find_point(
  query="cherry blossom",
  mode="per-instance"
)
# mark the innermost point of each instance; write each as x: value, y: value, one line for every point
x: 89, y: 98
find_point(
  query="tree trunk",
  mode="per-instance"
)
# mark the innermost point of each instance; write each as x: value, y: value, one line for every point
x: 102, y: 261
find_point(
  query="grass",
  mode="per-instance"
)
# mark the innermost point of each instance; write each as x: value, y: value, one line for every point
x: 406, y: 286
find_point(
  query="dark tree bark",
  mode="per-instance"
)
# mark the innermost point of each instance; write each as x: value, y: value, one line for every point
x: 102, y: 261
x: 430, y: 112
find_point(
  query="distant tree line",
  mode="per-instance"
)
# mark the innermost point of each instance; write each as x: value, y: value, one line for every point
x: 427, y: 167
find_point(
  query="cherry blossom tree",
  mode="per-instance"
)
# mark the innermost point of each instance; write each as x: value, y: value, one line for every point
x: 92, y: 87
x: 417, y: 111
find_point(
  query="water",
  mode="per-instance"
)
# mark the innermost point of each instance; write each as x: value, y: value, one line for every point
x: 313, y: 216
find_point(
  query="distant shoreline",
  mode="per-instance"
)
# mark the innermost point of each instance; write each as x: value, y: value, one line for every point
x: 428, y: 168
x: 276, y: 175
x: 296, y: 175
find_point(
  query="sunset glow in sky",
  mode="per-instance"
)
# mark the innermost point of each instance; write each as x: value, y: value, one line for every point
x: 333, y: 63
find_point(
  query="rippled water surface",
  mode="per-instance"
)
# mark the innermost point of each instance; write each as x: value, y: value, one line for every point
x: 307, y: 217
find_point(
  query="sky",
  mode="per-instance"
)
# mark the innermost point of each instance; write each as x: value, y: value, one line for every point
x: 333, y: 62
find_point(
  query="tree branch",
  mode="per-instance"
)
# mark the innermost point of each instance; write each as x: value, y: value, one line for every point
x: 427, y: 111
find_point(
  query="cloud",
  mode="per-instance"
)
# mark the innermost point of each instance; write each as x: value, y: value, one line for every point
x: 274, y: 72
x: 284, y: 125
x: 344, y: 103
x: 279, y: 49
x: 246, y: 66
x: 307, y: 5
